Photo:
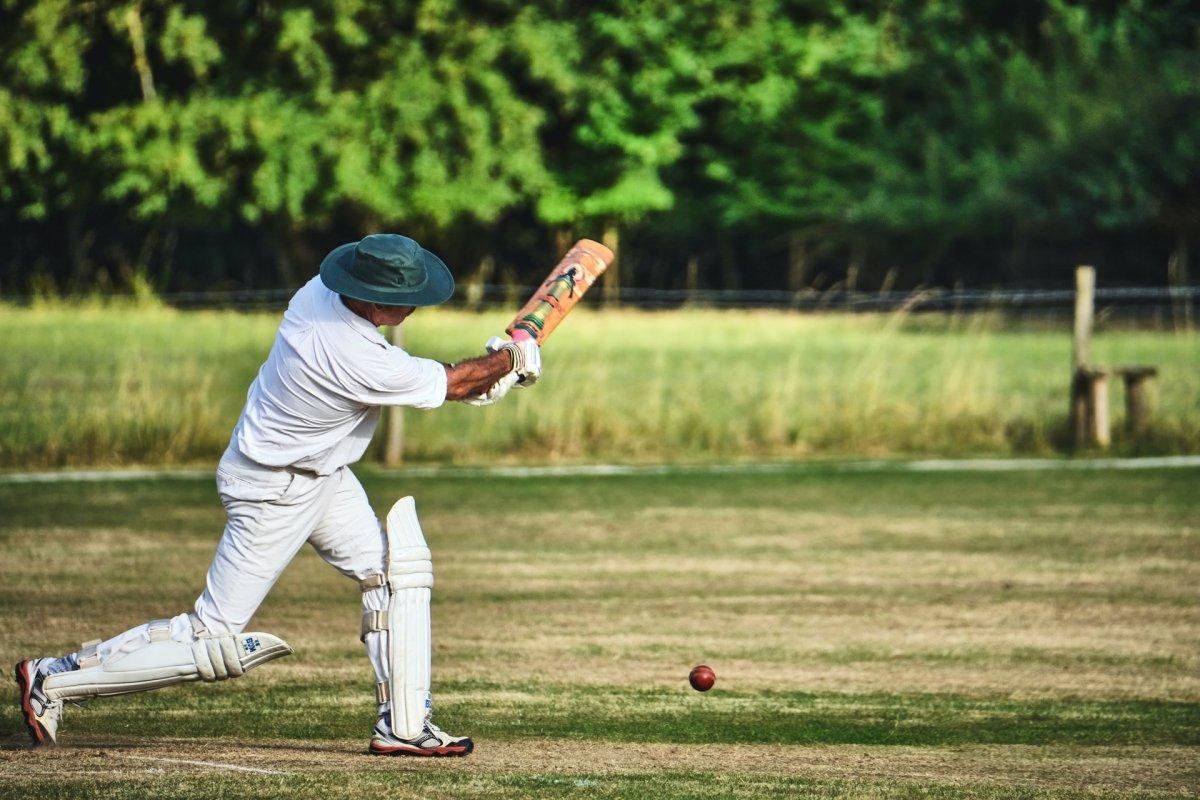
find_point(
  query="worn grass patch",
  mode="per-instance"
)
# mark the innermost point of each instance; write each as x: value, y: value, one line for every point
x: 157, y: 783
x: 886, y: 635
x: 498, y: 711
x: 187, y: 767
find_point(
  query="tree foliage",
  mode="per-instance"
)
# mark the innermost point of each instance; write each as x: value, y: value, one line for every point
x: 233, y: 142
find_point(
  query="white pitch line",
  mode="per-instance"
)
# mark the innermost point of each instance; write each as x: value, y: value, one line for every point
x: 87, y: 476
x: 926, y: 465
x: 215, y: 764
x: 1043, y: 464
x: 603, y: 470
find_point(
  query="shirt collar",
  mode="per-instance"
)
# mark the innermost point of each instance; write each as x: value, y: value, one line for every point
x: 360, y: 325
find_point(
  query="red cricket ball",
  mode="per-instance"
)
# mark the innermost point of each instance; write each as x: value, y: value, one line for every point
x: 702, y: 678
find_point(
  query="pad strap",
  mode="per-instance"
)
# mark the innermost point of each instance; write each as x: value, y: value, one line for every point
x: 88, y: 655
x: 383, y: 692
x: 198, y: 627
x: 159, y: 630
x: 373, y: 621
x: 372, y: 582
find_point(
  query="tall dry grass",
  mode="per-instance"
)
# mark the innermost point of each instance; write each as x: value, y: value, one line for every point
x: 99, y: 384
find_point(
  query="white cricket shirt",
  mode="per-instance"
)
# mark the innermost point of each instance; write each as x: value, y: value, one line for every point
x: 316, y: 400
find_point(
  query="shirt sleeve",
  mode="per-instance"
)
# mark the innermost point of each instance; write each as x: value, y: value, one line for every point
x: 395, y: 378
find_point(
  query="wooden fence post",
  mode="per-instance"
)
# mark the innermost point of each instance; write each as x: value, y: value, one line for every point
x: 1089, y: 385
x: 393, y: 443
x: 1085, y: 303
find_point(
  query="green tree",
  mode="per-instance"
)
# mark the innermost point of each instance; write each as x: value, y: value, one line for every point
x: 624, y: 85
x: 776, y: 139
x: 1063, y: 120
x: 276, y: 116
x: 792, y: 126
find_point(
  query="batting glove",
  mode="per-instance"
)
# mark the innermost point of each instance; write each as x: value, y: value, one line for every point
x: 493, y: 395
x: 526, y: 358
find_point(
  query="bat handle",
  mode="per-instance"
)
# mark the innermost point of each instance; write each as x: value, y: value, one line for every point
x: 520, y: 334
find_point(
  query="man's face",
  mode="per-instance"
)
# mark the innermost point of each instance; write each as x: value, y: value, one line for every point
x: 390, y: 315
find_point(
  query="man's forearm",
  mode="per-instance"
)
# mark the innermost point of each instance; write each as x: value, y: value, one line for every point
x: 475, y: 376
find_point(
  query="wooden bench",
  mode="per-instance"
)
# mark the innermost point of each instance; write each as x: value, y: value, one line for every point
x: 1089, y: 383
x: 1090, y: 420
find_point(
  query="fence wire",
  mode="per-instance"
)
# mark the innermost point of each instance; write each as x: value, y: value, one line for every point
x: 1166, y: 306
x: 1168, y: 303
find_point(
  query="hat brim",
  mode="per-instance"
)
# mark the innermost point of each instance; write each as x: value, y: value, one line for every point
x: 335, y: 274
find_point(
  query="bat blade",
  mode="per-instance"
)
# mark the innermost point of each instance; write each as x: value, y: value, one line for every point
x: 561, y: 290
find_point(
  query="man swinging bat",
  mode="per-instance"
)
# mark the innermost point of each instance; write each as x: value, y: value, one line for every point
x: 284, y: 480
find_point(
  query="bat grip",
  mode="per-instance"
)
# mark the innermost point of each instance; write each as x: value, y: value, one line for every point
x: 520, y: 334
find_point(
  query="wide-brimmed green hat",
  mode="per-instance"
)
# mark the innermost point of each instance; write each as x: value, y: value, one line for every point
x: 389, y: 269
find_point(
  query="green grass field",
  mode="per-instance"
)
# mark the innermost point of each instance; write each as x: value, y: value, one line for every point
x: 885, y: 634
x: 95, y: 385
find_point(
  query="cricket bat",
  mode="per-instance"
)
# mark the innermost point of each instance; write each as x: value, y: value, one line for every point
x: 561, y: 290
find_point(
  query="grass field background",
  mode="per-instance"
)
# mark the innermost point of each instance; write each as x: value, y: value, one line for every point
x: 892, y: 634
x: 91, y: 384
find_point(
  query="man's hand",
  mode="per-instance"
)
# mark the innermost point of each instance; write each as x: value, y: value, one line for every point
x: 498, y: 390
x: 526, y: 357
x: 476, y: 378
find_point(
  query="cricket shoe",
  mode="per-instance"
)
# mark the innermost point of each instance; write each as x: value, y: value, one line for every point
x: 432, y: 742
x: 41, y: 714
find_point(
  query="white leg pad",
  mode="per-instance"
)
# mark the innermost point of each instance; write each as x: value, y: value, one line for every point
x: 140, y: 666
x: 406, y: 622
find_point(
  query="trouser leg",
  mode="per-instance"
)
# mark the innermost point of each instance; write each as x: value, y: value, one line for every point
x: 261, y: 538
x: 270, y: 515
x: 350, y: 539
x: 396, y: 617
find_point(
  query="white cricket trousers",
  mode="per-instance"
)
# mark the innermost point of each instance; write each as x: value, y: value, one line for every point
x: 271, y: 513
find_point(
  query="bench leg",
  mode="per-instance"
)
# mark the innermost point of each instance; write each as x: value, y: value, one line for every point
x: 1138, y: 402
x: 1100, y: 431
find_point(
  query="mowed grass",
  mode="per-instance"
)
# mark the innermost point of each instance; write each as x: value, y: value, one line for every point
x: 890, y: 634
x: 95, y: 385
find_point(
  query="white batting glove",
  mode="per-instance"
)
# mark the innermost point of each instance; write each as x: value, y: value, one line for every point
x: 492, y: 395
x: 526, y: 358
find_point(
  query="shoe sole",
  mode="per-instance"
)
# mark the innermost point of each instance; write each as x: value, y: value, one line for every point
x: 448, y: 751
x: 25, y: 684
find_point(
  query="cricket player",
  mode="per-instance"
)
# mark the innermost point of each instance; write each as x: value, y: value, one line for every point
x: 285, y: 480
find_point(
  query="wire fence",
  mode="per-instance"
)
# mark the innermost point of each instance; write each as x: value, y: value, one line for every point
x: 1168, y: 305
x: 1160, y: 306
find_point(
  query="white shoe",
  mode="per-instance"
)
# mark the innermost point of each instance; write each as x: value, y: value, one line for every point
x: 41, y: 714
x: 432, y: 742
